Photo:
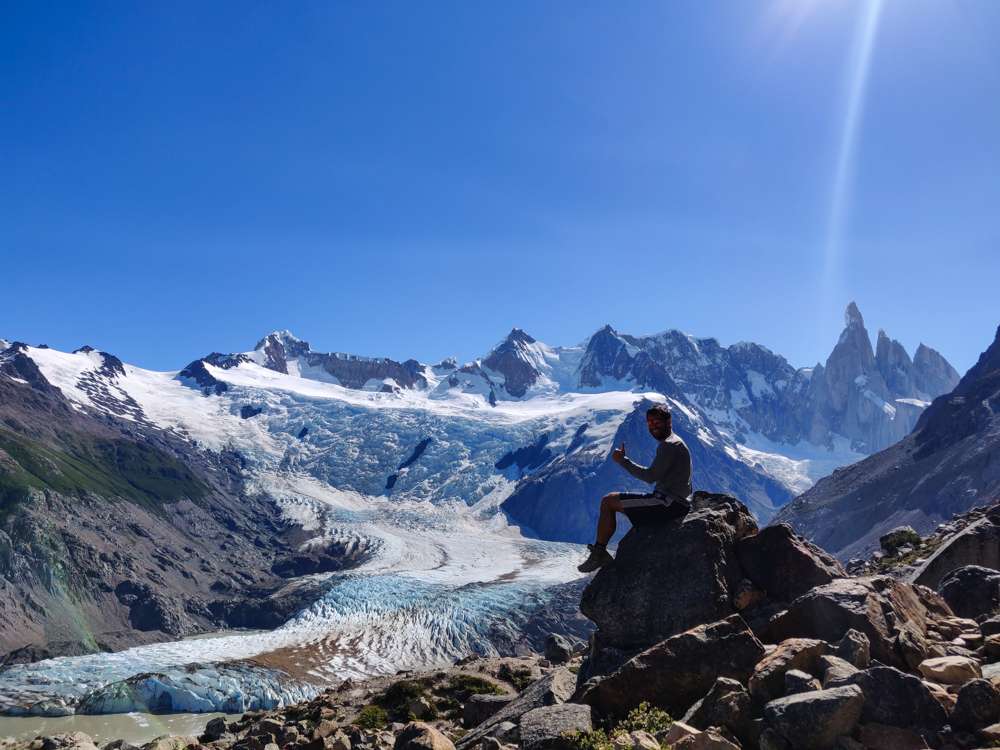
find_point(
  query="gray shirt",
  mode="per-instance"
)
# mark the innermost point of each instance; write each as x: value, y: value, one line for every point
x: 670, y: 470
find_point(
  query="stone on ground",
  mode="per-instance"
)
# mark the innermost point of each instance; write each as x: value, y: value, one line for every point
x: 680, y: 670
x: 884, y: 737
x: 836, y: 671
x: 768, y: 679
x: 555, y: 687
x: 727, y: 704
x: 855, y: 649
x: 812, y: 721
x: 797, y: 682
x: 951, y: 670
x: 636, y: 741
x: 972, y: 591
x: 547, y: 728
x: 898, y: 699
x: 976, y: 706
x: 419, y: 736
x: 558, y: 650
x: 784, y: 564
x: 478, y: 708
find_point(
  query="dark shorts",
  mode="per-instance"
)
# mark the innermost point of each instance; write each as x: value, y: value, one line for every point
x: 643, y: 510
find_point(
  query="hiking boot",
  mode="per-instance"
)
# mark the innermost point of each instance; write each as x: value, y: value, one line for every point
x: 599, y: 557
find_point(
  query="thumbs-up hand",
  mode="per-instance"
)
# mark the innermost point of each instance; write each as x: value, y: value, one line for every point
x: 618, y: 455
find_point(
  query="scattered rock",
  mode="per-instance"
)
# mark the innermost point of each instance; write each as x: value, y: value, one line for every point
x: 677, y: 731
x: 727, y: 705
x: 972, y: 591
x: 707, y: 740
x: 951, y: 670
x: 868, y: 605
x: 546, y: 728
x: 507, y: 732
x: 913, y: 645
x: 784, y: 564
x: 478, y: 708
x: 558, y: 650
x: 812, y: 721
x: 836, y: 671
x: 976, y: 706
x: 800, y: 682
x: 555, y: 687
x: 990, y: 627
x: 419, y: 736
x: 770, y: 739
x: 884, y: 737
x: 898, y: 699
x: 675, y: 673
x: 855, y: 649
x: 768, y: 679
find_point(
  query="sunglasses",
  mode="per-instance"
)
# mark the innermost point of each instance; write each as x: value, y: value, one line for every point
x: 651, y: 422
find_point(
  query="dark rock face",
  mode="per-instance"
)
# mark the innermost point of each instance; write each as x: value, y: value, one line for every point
x: 694, y: 560
x: 785, y: 565
x: 679, y: 670
x: 478, y: 708
x: 509, y: 360
x: 972, y: 591
x: 351, y: 370
x: 978, y: 543
x: 813, y: 720
x: 977, y: 706
x: 546, y: 728
x: 898, y: 699
x: 869, y: 606
x: 727, y: 705
x: 947, y: 465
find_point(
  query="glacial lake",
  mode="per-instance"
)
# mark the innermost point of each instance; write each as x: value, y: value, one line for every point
x: 137, y: 728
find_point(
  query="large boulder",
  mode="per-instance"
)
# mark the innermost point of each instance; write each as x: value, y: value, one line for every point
x: 726, y: 705
x: 977, y: 544
x: 784, y: 564
x: 972, y: 591
x: 813, y: 720
x: 768, y: 679
x: 977, y: 706
x: 478, y: 708
x: 898, y: 699
x: 554, y: 688
x: 872, y: 606
x: 419, y: 736
x: 668, y: 578
x: 680, y: 670
x: 552, y: 727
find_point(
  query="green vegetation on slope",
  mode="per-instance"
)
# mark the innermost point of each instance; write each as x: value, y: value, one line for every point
x: 109, y: 467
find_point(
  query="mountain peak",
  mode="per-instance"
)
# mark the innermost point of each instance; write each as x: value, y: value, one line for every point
x: 517, y: 335
x: 852, y: 317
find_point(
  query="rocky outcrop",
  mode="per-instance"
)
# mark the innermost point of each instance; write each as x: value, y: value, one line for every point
x: 783, y: 564
x: 679, y: 670
x: 698, y: 566
x: 949, y: 464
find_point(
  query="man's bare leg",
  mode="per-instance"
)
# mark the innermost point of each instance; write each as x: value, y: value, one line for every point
x: 607, y: 522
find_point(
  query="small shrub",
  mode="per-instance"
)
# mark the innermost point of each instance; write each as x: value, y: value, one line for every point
x: 519, y: 678
x: 575, y: 669
x: 645, y: 718
x: 372, y: 717
x: 474, y: 685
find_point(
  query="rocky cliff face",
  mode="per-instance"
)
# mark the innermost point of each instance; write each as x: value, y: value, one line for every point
x: 947, y: 465
x: 115, y: 533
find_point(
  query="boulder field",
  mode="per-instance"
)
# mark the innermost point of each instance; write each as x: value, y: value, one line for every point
x: 748, y: 638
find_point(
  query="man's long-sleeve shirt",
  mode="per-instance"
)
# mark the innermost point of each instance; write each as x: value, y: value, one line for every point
x: 670, y: 472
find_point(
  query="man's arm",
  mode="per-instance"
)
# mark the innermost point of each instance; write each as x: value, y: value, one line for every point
x: 665, y: 454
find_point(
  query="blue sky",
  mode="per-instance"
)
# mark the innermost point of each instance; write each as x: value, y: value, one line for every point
x: 415, y: 179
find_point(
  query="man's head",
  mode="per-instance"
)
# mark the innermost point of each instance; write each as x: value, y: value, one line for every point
x: 658, y: 421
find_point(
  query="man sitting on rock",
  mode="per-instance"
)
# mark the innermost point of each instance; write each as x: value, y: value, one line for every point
x: 670, y: 473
